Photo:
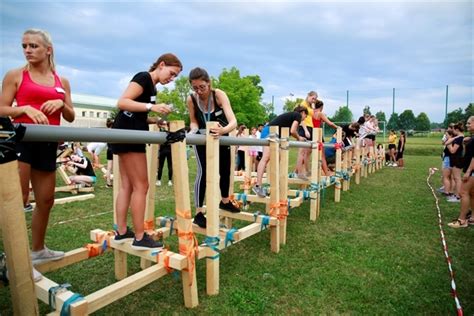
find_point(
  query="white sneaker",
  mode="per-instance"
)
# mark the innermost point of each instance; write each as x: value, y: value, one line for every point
x: 158, y: 183
x: 453, y: 199
x: 37, y: 276
x: 46, y: 255
x: 170, y: 183
x: 394, y: 165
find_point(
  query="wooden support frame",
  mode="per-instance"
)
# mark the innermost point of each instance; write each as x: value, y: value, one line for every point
x: 337, y: 185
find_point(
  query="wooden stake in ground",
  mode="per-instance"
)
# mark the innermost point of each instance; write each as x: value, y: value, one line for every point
x: 15, y: 241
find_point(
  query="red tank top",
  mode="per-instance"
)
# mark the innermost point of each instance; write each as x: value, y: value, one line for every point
x: 33, y: 94
x: 316, y: 123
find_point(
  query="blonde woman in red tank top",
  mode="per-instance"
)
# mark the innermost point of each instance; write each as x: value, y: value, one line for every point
x: 41, y: 98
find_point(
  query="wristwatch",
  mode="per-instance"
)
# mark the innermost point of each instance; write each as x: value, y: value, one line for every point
x: 149, y: 106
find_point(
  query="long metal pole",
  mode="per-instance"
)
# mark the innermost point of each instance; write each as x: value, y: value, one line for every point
x: 37, y: 133
x: 347, y: 98
x: 446, y: 104
x: 393, y: 101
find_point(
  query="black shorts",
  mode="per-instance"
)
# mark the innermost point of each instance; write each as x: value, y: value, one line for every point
x: 302, y: 134
x: 392, y: 146
x: 110, y: 154
x: 456, y: 162
x: 130, y: 121
x: 39, y: 155
x: 259, y: 155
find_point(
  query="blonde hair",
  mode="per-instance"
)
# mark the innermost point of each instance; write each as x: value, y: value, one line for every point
x: 48, y: 43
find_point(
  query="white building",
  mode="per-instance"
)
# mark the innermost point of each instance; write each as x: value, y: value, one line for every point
x: 91, y: 111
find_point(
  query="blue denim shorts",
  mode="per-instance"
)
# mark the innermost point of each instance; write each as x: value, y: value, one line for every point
x: 446, y: 163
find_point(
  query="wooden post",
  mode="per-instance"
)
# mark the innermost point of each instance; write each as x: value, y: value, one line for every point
x: 248, y: 167
x: 345, y: 184
x: 228, y: 220
x: 183, y: 213
x: 212, y: 206
x: 315, y: 174
x: 284, y: 158
x: 337, y: 187
x: 365, y: 162
x: 120, y: 257
x: 274, y: 187
x: 152, y: 169
x: 15, y: 241
x: 357, y: 163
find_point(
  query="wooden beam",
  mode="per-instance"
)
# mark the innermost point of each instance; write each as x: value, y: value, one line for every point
x: 283, y: 178
x: 183, y: 208
x: 274, y: 186
x: 70, y: 257
x: 212, y: 205
x: 15, y: 241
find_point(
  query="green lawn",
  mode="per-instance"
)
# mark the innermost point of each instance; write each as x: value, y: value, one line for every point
x: 378, y: 251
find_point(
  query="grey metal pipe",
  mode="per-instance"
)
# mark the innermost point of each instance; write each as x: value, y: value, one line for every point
x: 42, y: 133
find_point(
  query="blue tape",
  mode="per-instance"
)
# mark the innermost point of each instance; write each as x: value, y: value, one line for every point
x: 52, y: 294
x: 66, y: 310
x: 213, y: 243
x: 229, y: 236
x: 265, y: 222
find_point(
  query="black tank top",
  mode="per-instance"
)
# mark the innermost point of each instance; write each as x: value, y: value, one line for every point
x: 203, y: 117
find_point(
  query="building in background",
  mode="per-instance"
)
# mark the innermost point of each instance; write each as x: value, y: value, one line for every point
x: 91, y: 110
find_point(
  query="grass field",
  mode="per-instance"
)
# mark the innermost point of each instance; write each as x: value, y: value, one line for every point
x: 378, y: 251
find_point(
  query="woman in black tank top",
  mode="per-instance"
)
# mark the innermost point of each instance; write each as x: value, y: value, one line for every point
x: 204, y: 105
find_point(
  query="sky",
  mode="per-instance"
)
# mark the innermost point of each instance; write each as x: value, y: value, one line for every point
x: 337, y: 48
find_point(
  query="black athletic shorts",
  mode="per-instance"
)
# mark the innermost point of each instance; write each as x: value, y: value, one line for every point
x: 110, y: 154
x: 39, y: 155
x: 392, y: 146
x: 302, y: 134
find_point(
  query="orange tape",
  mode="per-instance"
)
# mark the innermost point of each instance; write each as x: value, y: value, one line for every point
x: 189, y: 251
x: 184, y: 214
x: 149, y: 224
x: 93, y: 250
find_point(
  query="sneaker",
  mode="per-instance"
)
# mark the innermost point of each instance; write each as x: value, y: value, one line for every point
x: 394, y: 165
x: 45, y: 255
x: 470, y: 222
x: 457, y: 224
x: 441, y: 189
x: 146, y: 243
x: 129, y: 234
x: 259, y: 191
x: 109, y: 185
x: 229, y: 206
x: 37, y: 276
x: 200, y: 220
x: 28, y: 208
x: 453, y: 199
x: 170, y: 183
x: 158, y: 183
x: 302, y: 177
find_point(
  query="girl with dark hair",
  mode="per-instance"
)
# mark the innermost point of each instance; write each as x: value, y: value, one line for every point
x: 401, y: 148
x: 135, y: 104
x: 455, y: 148
x: 204, y: 105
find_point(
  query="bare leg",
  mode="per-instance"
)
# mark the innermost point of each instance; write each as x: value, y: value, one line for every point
x: 43, y: 183
x: 25, y: 174
x: 263, y: 164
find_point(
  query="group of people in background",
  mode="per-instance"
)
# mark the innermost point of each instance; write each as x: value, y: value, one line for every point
x: 458, y: 170
x: 394, y: 156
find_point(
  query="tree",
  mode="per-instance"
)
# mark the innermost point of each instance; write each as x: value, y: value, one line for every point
x: 406, y: 120
x: 454, y: 117
x: 422, y: 122
x: 366, y: 110
x: 393, y: 122
x: 343, y: 114
x: 244, y: 94
x: 380, y: 115
x: 269, y: 110
x: 469, y: 111
x: 290, y: 105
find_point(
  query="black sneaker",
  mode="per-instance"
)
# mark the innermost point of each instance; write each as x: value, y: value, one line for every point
x: 122, y: 238
x: 200, y: 220
x: 146, y: 243
x: 229, y: 206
